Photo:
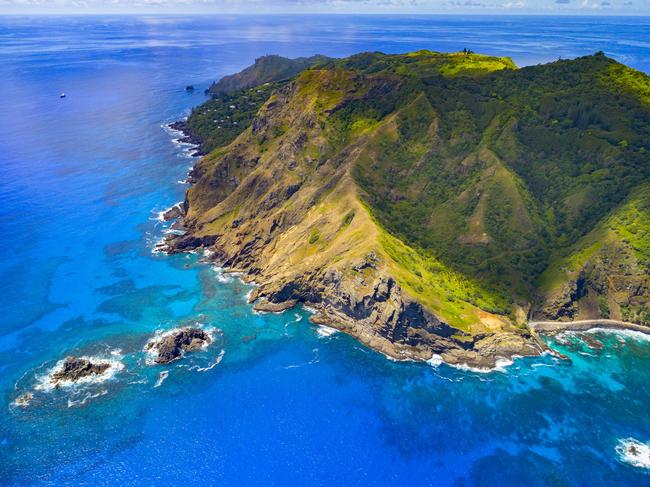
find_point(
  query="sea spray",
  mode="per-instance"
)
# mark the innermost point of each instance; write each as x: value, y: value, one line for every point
x: 632, y: 452
x: 46, y: 383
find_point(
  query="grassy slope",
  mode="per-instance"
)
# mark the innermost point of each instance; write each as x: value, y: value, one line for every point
x: 468, y: 178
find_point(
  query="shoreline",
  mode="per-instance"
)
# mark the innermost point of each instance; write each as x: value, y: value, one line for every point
x: 404, y: 353
x: 186, y: 137
x: 553, y: 327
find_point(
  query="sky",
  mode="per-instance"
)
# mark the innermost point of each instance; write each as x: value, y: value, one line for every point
x: 551, y: 7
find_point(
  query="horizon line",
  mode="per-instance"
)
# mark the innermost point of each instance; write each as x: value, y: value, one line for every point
x: 504, y: 13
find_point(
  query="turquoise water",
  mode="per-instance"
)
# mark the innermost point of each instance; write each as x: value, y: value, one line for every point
x: 272, y: 400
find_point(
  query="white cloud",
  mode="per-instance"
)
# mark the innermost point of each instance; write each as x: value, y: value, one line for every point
x: 518, y: 4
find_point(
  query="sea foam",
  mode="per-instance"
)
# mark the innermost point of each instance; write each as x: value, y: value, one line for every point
x: 161, y: 378
x: 152, y: 353
x: 633, y: 452
x: 325, y: 331
x: 501, y: 365
x: 86, y: 398
x: 45, y: 383
x: 633, y: 334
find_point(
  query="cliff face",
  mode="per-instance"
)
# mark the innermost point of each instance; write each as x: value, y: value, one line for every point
x: 403, y: 216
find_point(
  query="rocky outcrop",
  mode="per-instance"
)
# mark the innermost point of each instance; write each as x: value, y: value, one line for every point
x: 174, y: 244
x: 174, y: 344
x: 265, y: 306
x: 401, y: 328
x: 388, y: 321
x: 75, y: 368
x: 176, y: 211
x: 188, y: 136
x: 611, y: 284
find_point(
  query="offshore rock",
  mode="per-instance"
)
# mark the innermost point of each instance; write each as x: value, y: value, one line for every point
x: 75, y: 368
x: 173, y: 345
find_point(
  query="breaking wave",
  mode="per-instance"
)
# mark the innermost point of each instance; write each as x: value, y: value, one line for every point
x: 45, y: 382
x: 634, y: 453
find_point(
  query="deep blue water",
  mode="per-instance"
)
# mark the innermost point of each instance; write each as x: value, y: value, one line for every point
x: 81, y: 182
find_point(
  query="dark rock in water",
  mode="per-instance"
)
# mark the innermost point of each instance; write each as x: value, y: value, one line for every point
x: 74, y: 368
x: 181, y: 126
x: 592, y: 342
x: 172, y: 346
x: 183, y: 243
x: 173, y: 212
x: 189, y: 88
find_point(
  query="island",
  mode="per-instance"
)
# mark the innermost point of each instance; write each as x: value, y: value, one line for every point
x: 429, y: 204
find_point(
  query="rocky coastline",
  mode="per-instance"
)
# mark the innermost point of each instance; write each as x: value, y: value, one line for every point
x: 386, y: 308
x: 385, y: 319
x: 85, y: 375
x: 188, y: 137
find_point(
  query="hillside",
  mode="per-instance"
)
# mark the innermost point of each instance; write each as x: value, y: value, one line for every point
x: 429, y: 203
x: 266, y: 69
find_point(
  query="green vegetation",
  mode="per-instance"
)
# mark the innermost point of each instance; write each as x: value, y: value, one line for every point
x: 491, y: 187
x: 632, y: 224
x: 221, y: 119
x: 347, y: 219
x: 266, y: 69
x: 314, y: 236
x: 603, y: 307
x: 444, y: 291
x: 627, y: 227
x: 422, y: 64
x: 494, y: 174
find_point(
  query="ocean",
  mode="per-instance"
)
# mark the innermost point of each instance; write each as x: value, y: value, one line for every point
x: 274, y: 400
